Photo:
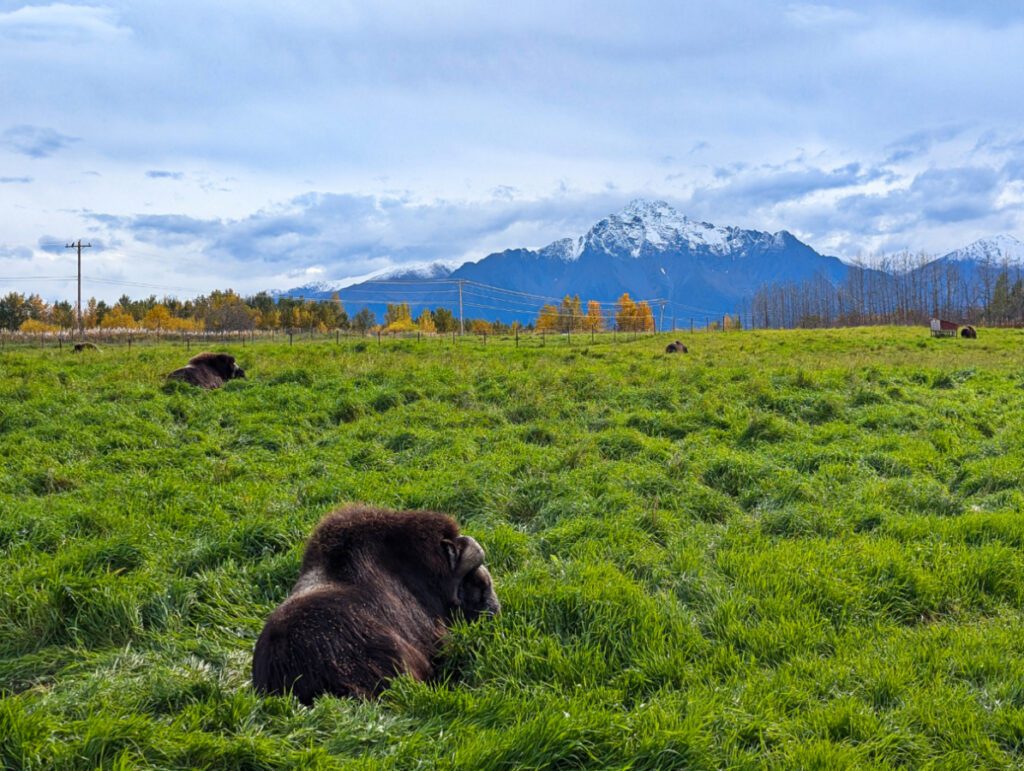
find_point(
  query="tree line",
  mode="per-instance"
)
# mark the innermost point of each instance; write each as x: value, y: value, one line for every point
x: 900, y: 289
x: 227, y: 310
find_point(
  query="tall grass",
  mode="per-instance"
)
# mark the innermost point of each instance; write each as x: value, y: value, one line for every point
x: 788, y: 549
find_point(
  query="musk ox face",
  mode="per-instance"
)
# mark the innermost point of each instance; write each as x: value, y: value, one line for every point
x: 376, y: 593
x: 476, y: 595
x: 222, y: 363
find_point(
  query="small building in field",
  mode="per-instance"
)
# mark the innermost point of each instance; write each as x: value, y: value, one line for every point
x: 943, y: 328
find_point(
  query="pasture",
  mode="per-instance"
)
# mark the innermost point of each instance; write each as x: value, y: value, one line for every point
x: 785, y: 549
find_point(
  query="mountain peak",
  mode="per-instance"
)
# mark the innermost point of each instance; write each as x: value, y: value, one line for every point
x: 650, y: 210
x: 654, y: 225
x: 997, y: 249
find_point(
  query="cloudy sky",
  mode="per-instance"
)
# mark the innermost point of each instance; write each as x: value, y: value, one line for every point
x: 265, y: 144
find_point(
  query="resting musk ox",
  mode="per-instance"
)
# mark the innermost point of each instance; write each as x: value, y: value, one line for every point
x: 376, y: 593
x: 79, y: 347
x: 970, y: 332
x: 208, y: 370
x: 676, y: 347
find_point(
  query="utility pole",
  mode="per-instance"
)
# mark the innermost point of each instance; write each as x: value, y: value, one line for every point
x: 661, y: 318
x: 79, y: 246
x: 462, y: 323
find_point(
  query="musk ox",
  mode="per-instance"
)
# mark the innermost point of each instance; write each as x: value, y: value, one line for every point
x: 208, y: 370
x: 79, y: 347
x: 376, y: 593
x: 676, y: 347
x: 970, y: 332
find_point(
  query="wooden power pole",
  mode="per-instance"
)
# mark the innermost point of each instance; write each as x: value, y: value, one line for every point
x: 462, y: 323
x: 79, y: 246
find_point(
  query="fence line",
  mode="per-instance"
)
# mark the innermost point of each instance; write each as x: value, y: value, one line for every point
x: 210, y: 338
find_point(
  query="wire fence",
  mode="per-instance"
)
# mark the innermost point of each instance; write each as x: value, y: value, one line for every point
x: 70, y: 340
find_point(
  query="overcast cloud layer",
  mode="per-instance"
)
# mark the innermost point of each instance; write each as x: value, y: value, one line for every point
x: 260, y: 145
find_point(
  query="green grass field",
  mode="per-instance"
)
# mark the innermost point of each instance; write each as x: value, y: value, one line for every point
x: 787, y: 549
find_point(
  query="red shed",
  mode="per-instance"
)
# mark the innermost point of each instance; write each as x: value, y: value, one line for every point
x: 943, y: 328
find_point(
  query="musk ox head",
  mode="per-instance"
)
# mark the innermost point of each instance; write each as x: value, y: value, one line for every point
x: 209, y: 370
x: 221, y: 363
x: 476, y: 595
x: 969, y: 332
x: 376, y: 593
x: 676, y: 347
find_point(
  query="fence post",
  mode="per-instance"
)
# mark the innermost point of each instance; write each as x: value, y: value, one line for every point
x: 337, y: 337
x: 378, y: 337
x: 289, y: 337
x: 517, y: 337
x: 129, y: 342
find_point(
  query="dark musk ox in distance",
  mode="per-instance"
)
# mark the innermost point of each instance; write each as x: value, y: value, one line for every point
x: 80, y: 347
x: 676, y: 347
x: 969, y: 332
x: 208, y: 370
x: 376, y: 593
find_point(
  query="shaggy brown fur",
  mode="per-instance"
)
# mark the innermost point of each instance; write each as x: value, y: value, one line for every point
x: 79, y: 347
x: 676, y: 347
x: 208, y: 370
x: 970, y: 332
x: 376, y: 593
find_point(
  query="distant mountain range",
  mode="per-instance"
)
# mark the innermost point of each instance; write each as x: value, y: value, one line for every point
x: 648, y: 250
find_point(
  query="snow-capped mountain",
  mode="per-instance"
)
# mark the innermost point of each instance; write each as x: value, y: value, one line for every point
x: 996, y: 251
x: 648, y: 250
x: 655, y: 226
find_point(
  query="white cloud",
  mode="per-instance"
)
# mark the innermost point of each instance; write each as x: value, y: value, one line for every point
x: 60, y: 23
x: 471, y: 127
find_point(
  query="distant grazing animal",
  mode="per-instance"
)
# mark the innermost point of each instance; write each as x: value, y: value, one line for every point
x: 376, y: 593
x: 208, y: 370
x: 676, y: 347
x: 970, y: 332
x: 79, y: 347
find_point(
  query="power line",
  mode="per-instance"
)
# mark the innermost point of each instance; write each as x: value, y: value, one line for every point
x: 37, y: 278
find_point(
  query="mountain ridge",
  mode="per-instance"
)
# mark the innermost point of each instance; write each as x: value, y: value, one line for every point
x: 647, y: 249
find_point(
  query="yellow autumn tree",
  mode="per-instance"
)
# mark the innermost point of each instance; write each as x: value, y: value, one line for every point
x: 547, y: 319
x: 37, y: 326
x: 594, y: 320
x: 480, y: 327
x: 570, y: 314
x: 118, y: 318
x: 644, y: 317
x: 158, y: 318
x: 626, y: 315
x: 426, y: 323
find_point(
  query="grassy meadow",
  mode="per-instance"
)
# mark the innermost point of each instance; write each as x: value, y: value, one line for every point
x: 785, y: 549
